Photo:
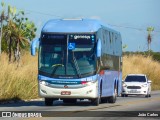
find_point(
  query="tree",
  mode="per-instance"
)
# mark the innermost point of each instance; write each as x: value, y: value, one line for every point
x: 149, y: 38
x: 18, y: 32
x: 23, y: 34
x: 2, y: 18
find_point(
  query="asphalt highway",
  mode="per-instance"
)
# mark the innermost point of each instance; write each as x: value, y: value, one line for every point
x: 130, y: 107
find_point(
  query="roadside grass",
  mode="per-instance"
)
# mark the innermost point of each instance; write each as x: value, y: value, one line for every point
x: 20, y: 83
x: 138, y: 64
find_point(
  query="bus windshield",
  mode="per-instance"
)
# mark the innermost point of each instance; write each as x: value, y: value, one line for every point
x: 62, y: 56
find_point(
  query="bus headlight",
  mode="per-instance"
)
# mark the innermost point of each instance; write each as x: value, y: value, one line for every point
x: 43, y: 83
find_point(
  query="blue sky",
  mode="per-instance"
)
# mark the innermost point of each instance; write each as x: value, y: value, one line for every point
x: 124, y: 15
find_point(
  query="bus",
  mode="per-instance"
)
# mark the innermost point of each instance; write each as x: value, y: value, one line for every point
x: 78, y: 59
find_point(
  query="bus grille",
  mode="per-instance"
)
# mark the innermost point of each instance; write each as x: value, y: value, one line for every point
x: 134, y: 87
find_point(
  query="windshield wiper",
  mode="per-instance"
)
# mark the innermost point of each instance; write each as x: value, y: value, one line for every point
x: 56, y: 66
x: 77, y: 67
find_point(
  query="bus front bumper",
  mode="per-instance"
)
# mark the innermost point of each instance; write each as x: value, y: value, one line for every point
x: 86, y: 92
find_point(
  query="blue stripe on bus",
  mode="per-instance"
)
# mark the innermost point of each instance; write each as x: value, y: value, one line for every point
x: 66, y: 81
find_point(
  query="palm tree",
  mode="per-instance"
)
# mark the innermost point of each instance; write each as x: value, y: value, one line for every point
x: 18, y: 33
x: 21, y: 41
x: 8, y: 30
x: 23, y: 34
x: 149, y: 38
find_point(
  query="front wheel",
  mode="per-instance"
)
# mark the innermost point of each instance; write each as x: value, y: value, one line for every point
x: 148, y: 95
x: 96, y: 101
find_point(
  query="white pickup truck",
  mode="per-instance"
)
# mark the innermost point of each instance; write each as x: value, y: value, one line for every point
x: 136, y: 84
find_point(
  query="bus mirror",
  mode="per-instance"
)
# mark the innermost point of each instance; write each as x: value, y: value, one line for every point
x: 99, y: 46
x: 34, y: 45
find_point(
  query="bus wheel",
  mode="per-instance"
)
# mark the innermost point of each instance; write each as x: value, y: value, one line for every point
x: 48, y: 101
x: 112, y: 99
x: 95, y: 101
x: 104, y: 100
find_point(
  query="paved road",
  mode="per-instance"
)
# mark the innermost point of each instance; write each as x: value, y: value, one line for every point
x: 84, y: 108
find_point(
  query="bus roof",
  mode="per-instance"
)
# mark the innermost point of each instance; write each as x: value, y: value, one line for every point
x: 72, y: 26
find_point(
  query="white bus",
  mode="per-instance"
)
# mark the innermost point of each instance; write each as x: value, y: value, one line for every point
x: 79, y: 59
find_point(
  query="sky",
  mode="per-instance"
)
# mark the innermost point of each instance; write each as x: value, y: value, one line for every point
x: 130, y: 17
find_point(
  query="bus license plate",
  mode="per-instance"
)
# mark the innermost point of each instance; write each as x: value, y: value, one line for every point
x: 66, y: 93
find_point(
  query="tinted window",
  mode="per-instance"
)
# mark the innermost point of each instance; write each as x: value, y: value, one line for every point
x: 135, y: 79
x: 60, y: 56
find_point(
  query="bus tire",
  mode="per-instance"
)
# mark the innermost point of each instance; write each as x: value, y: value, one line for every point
x: 48, y: 101
x: 95, y: 101
x: 104, y: 100
x: 113, y: 98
